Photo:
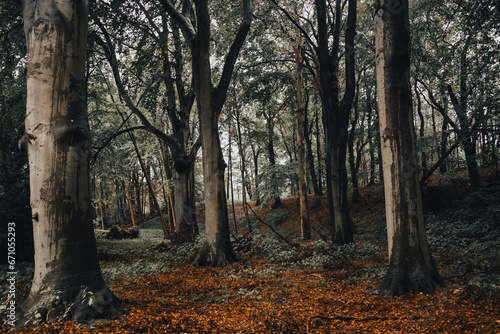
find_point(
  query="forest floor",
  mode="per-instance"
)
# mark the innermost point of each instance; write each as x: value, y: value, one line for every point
x: 298, y: 286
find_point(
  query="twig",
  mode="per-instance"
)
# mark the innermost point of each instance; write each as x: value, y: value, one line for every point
x: 321, y: 235
x: 156, y: 331
x: 272, y: 229
x: 317, y: 275
x: 468, y: 274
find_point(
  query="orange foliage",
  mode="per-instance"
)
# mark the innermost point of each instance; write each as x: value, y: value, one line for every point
x: 254, y: 296
x: 192, y: 300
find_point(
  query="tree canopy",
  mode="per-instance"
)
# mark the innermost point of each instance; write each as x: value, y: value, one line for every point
x: 205, y: 114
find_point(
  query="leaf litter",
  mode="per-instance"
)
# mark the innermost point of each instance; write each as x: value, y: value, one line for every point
x: 280, y: 287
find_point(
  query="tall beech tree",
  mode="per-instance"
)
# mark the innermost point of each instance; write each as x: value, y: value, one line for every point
x: 411, y: 267
x: 336, y: 111
x: 179, y: 113
x: 324, y: 45
x: 67, y: 282
x: 217, y: 250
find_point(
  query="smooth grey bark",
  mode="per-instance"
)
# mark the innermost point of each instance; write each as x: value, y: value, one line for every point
x: 411, y: 267
x: 67, y: 283
x: 217, y: 249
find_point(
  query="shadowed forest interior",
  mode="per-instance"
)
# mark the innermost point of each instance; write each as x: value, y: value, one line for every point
x: 252, y: 166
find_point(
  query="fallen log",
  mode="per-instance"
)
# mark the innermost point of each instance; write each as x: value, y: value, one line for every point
x: 117, y: 232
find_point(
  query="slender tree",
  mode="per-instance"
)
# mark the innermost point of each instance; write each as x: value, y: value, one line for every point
x: 324, y: 43
x: 67, y: 282
x: 241, y: 150
x: 336, y: 112
x: 183, y: 154
x: 305, y: 225
x: 411, y: 267
x: 217, y: 250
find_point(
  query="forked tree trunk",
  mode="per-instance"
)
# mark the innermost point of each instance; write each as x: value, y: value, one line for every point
x: 411, y: 267
x: 67, y: 283
x: 336, y: 113
x: 217, y: 250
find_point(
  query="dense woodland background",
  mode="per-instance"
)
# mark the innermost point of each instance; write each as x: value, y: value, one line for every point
x: 140, y: 91
x: 454, y: 77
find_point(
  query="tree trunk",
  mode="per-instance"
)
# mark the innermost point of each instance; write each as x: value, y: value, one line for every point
x: 318, y: 153
x: 352, y: 156
x: 150, y: 186
x: 423, y: 155
x: 310, y: 158
x: 444, y: 132
x: 243, y: 174
x: 466, y: 134
x: 230, y: 186
x: 217, y: 249
x: 67, y: 282
x: 255, y: 154
x: 371, y: 140
x: 169, y: 198
x: 305, y: 226
x: 119, y: 207
x: 235, y: 223
x: 336, y: 113
x: 103, y: 205
x: 184, y: 206
x: 130, y: 206
x: 411, y: 267
x: 272, y: 158
x: 469, y: 146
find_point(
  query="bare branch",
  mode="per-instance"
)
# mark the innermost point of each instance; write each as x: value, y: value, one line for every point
x: 181, y: 19
x: 227, y: 71
x: 108, y: 48
x: 295, y: 23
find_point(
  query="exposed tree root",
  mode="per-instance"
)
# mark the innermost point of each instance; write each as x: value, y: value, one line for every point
x: 218, y: 257
x: 80, y: 305
x: 399, y: 281
x: 187, y: 233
